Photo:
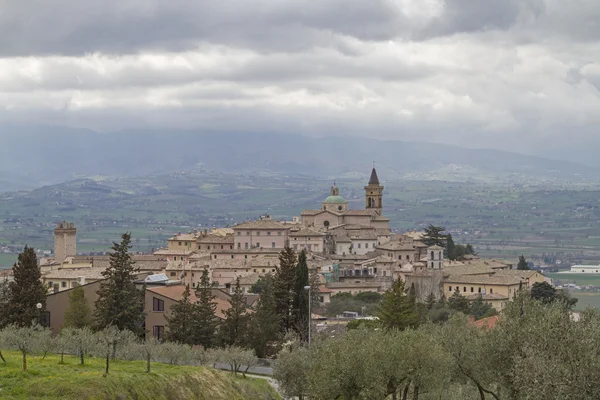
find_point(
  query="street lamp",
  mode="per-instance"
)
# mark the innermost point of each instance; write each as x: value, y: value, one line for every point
x: 309, y: 314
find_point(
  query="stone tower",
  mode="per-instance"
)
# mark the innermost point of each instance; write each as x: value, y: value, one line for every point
x: 65, y: 241
x: 374, y: 194
x: 435, y: 257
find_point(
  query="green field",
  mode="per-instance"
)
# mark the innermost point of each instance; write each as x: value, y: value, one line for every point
x: 48, y: 379
x: 578, y: 279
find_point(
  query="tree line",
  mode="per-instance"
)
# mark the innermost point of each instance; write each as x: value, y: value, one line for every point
x: 537, y: 350
x: 280, y: 312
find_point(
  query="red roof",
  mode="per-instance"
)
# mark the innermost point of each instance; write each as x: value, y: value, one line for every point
x: 489, y: 322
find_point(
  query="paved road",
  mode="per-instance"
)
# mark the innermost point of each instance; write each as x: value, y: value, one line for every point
x: 254, y: 370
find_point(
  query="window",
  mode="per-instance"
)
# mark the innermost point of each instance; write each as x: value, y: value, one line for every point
x: 63, y: 284
x: 158, y: 331
x: 158, y: 305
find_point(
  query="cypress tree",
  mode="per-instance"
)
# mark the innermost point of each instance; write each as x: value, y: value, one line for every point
x: 234, y: 329
x: 285, y: 277
x: 25, y: 291
x: 206, y: 322
x: 180, y: 323
x: 300, y: 303
x: 265, y: 321
x: 120, y: 303
x: 398, y: 310
x: 79, y: 313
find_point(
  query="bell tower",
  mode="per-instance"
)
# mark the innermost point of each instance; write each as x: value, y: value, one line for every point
x: 374, y: 193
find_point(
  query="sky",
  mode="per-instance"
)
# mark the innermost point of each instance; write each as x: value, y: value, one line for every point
x: 521, y: 75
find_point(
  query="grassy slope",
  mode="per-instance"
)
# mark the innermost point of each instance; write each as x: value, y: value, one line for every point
x: 127, y: 380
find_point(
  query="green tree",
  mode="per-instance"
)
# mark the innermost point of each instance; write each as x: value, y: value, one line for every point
x: 523, y: 265
x: 300, y: 302
x: 264, y: 323
x: 284, y: 284
x: 398, y: 310
x: 120, y: 303
x: 25, y: 291
x: 206, y: 321
x: 433, y: 236
x: 78, y: 313
x: 458, y: 302
x: 182, y: 320
x: 450, y: 248
x: 481, y: 309
x: 234, y: 329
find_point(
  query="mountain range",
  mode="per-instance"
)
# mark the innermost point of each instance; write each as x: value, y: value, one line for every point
x: 33, y: 156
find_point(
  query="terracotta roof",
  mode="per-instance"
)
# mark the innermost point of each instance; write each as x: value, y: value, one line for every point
x: 488, y: 323
x: 176, y: 293
x: 261, y: 224
x: 216, y: 239
x: 467, y: 270
x: 484, y: 279
x: 393, y: 245
x: 72, y: 273
x: 306, y: 232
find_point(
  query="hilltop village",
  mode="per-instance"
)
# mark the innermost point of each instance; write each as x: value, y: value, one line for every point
x: 350, y: 251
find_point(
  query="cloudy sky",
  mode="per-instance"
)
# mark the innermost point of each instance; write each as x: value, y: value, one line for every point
x: 507, y: 74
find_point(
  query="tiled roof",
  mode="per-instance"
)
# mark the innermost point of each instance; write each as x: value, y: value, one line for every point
x: 216, y: 239
x: 261, y: 224
x: 483, y: 279
x: 306, y: 232
x: 71, y: 273
x: 393, y: 245
x: 467, y: 270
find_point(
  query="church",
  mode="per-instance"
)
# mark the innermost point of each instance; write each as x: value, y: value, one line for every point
x: 334, y: 210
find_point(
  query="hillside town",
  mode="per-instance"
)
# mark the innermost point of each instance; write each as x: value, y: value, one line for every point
x: 348, y: 251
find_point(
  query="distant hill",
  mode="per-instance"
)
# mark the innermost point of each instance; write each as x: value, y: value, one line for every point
x: 35, y: 156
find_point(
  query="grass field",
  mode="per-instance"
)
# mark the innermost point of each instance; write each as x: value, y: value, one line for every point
x: 586, y: 299
x: 578, y: 279
x: 127, y: 380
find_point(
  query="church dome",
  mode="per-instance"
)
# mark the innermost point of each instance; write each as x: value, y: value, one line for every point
x: 337, y: 199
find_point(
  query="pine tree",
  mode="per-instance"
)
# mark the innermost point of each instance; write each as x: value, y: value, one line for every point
x: 300, y: 303
x: 265, y: 321
x: 120, y: 303
x: 433, y: 236
x: 523, y: 265
x: 79, y: 313
x: 206, y: 321
x: 458, y: 302
x: 398, y: 310
x: 181, y: 321
x: 481, y: 309
x: 285, y: 277
x: 450, y: 248
x: 25, y: 291
x: 234, y: 329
